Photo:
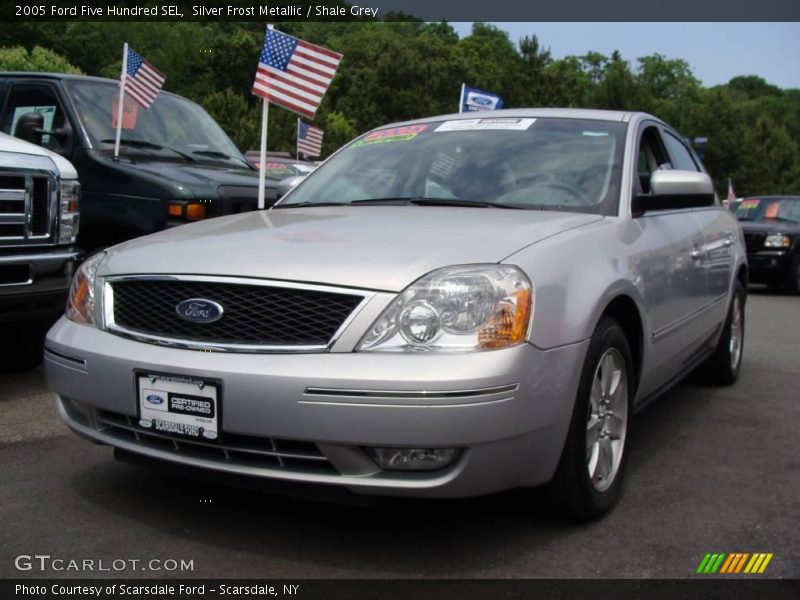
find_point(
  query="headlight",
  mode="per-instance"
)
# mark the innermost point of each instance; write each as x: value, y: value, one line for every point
x: 81, y: 302
x: 472, y: 307
x: 777, y: 240
x: 68, y: 211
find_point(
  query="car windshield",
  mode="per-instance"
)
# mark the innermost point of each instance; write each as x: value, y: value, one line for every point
x: 775, y: 209
x: 533, y: 163
x: 172, y: 127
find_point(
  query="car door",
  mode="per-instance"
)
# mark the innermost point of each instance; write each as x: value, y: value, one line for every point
x: 720, y: 230
x: 674, y: 280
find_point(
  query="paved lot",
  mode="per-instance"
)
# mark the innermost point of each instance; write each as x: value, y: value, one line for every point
x: 712, y: 470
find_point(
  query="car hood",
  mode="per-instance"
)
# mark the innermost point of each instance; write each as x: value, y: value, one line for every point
x: 371, y: 247
x: 200, y: 178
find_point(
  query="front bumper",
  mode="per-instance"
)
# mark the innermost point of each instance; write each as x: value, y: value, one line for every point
x: 308, y: 417
x: 37, y: 283
x: 769, y: 266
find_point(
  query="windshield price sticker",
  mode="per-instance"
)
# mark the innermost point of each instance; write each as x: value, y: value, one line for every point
x: 486, y: 124
x: 393, y: 134
x: 749, y: 204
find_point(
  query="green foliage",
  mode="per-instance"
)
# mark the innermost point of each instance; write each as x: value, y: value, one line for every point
x: 405, y: 69
x: 239, y: 119
x: 38, y: 59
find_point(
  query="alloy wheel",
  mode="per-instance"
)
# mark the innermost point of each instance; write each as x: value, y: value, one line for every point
x: 607, y: 420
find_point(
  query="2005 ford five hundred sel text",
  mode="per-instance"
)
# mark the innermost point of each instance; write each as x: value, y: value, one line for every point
x: 447, y: 307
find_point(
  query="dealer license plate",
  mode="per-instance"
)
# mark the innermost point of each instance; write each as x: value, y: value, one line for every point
x: 178, y: 406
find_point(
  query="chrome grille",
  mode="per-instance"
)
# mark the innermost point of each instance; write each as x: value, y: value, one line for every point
x: 754, y: 241
x: 257, y: 315
x: 237, y: 199
x: 26, y: 208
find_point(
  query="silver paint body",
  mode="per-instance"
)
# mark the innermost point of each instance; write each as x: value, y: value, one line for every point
x: 509, y: 409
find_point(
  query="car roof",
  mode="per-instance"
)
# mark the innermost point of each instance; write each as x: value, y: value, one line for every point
x: 50, y: 75
x: 72, y: 77
x: 518, y: 113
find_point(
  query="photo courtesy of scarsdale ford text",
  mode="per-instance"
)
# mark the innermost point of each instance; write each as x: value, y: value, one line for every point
x: 103, y: 590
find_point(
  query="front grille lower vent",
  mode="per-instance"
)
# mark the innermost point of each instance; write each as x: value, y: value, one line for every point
x: 236, y: 450
x: 253, y: 315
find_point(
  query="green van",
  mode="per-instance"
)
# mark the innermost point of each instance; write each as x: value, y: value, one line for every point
x: 175, y: 163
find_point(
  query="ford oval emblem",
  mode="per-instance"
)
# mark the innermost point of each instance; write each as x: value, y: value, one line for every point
x: 482, y: 100
x: 199, y: 310
x: 155, y: 399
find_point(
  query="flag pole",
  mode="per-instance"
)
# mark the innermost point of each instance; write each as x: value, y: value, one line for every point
x: 461, y: 99
x: 123, y: 77
x: 297, y: 141
x: 262, y: 172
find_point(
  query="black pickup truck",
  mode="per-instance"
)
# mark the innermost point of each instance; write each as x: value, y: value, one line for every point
x: 175, y: 163
x: 771, y: 226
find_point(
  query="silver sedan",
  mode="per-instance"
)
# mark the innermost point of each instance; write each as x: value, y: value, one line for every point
x: 447, y: 307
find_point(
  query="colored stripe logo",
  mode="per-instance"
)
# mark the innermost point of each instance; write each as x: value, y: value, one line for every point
x: 734, y: 563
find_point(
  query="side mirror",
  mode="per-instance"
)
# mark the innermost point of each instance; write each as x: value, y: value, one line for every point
x: 673, y: 189
x: 64, y: 137
x: 30, y: 128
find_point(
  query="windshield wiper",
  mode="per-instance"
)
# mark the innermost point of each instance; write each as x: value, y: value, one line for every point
x: 305, y: 204
x: 149, y: 146
x: 422, y: 201
x: 418, y: 201
x: 212, y: 153
x: 221, y: 156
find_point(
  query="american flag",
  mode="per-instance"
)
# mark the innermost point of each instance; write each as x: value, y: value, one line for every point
x: 294, y: 74
x: 309, y: 139
x: 142, y: 81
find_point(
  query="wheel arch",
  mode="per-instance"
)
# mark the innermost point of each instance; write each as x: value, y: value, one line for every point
x: 623, y: 309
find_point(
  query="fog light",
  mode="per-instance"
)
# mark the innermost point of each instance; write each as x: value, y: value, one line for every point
x: 412, y: 459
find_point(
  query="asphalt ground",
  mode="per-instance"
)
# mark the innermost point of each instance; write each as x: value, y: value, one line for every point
x: 711, y: 470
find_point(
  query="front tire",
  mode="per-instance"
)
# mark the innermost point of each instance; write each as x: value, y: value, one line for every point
x: 590, y: 474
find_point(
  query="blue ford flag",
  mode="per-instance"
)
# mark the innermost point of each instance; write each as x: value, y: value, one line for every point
x: 475, y: 99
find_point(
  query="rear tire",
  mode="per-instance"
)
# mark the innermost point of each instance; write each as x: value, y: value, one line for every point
x: 722, y: 367
x: 590, y: 474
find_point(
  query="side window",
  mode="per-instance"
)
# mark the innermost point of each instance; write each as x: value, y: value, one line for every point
x: 681, y: 157
x: 34, y: 98
x: 652, y: 157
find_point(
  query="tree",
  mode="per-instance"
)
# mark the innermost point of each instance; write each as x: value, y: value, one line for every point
x: 236, y: 116
x: 618, y: 89
x: 38, y: 59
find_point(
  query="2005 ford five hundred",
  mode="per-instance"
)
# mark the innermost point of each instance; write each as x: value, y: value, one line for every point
x: 447, y: 307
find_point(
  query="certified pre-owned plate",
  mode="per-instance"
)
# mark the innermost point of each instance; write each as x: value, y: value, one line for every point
x: 179, y: 406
